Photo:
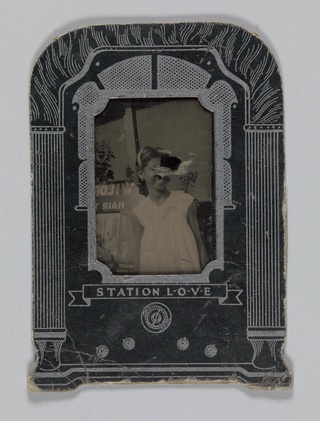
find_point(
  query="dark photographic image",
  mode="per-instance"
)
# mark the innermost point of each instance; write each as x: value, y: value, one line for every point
x: 154, y: 177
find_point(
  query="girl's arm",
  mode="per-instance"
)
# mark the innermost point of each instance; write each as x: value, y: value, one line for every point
x: 193, y: 223
x: 137, y: 231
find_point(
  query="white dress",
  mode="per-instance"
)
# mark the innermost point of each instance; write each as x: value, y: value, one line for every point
x: 168, y: 245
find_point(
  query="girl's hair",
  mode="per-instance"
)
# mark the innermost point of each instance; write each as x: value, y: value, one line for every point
x: 146, y: 154
x: 144, y: 157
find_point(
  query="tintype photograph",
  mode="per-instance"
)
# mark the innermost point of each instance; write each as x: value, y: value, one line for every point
x: 154, y: 172
x: 158, y: 208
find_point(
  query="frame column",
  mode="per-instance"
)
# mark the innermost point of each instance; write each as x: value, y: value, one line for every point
x: 48, y: 244
x: 266, y: 330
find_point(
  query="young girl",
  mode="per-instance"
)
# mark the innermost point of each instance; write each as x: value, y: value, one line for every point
x: 165, y: 222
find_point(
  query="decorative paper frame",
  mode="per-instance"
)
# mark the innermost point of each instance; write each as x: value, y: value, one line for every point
x: 234, y: 330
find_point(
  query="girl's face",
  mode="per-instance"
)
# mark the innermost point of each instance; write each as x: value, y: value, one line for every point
x: 149, y: 175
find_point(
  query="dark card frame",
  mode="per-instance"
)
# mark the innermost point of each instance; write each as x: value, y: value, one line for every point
x: 233, y: 329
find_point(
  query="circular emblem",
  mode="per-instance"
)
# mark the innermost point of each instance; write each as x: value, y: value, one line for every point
x: 183, y: 344
x: 211, y: 351
x: 102, y: 351
x: 156, y: 317
x: 128, y: 344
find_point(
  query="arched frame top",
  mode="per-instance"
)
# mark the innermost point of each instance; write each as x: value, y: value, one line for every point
x: 241, y: 53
